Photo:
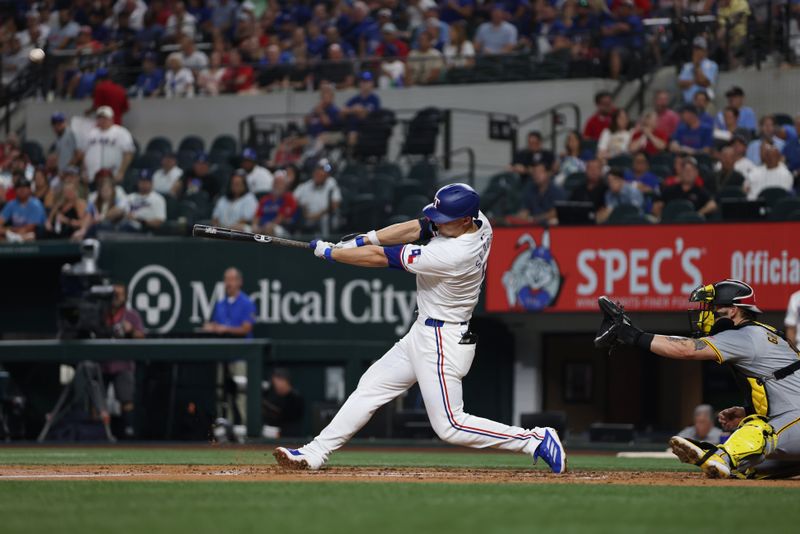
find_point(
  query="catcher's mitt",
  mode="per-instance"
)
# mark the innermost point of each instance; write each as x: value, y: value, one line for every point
x: 615, y: 322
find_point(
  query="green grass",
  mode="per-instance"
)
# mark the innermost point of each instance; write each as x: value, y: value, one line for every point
x: 370, y: 458
x: 131, y: 506
x: 332, y: 508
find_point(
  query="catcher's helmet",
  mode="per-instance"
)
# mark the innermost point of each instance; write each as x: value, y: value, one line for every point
x: 453, y: 202
x: 728, y: 292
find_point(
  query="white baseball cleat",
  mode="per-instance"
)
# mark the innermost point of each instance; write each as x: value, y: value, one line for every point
x: 687, y: 452
x: 551, y: 451
x: 296, y: 459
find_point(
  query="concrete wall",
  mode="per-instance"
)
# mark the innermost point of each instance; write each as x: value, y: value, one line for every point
x: 211, y: 116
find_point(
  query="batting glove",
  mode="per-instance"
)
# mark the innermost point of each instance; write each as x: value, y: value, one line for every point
x: 322, y: 249
x: 351, y: 241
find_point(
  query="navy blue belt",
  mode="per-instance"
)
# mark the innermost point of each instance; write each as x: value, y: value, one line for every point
x: 436, y: 323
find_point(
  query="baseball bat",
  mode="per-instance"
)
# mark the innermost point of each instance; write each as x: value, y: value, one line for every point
x: 217, y: 232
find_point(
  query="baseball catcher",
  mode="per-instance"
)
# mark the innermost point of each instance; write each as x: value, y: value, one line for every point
x: 765, y: 442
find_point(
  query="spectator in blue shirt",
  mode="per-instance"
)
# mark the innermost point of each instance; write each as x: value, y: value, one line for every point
x: 747, y: 117
x: 620, y: 192
x: 767, y: 130
x: 451, y: 11
x: 699, y: 73
x: 324, y: 117
x: 235, y: 314
x: 691, y: 136
x: 497, y: 36
x: 21, y: 217
x: 540, y: 197
x: 791, y: 151
x: 701, y: 102
x: 149, y: 81
x: 639, y: 174
x: 358, y: 107
x: 622, y: 35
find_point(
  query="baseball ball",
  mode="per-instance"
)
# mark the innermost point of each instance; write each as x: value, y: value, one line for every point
x: 36, y: 55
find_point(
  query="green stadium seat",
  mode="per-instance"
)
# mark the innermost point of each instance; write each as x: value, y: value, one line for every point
x: 574, y: 180
x: 192, y: 143
x: 731, y: 192
x: 34, y: 151
x: 426, y: 174
x: 159, y: 145
x: 411, y: 206
x: 389, y: 169
x: 225, y: 142
x: 623, y: 160
x: 783, y: 208
x: 147, y: 160
x: 688, y: 217
x: 675, y: 208
x: 623, y: 213
x: 772, y: 195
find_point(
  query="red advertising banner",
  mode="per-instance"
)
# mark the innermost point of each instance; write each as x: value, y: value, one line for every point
x: 647, y: 268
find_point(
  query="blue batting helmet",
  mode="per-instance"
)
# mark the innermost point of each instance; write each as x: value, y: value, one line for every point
x: 453, y: 202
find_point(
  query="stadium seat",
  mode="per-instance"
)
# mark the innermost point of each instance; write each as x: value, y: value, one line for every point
x: 186, y: 158
x: 374, y: 134
x: 221, y: 156
x: 588, y: 148
x: 159, y: 145
x: 675, y: 208
x: 771, y: 195
x: 226, y: 143
x: 783, y: 119
x: 411, y: 206
x: 361, y: 212
x: 623, y: 160
x: 426, y: 174
x: 623, y: 214
x: 688, y: 217
x: 202, y: 204
x: 663, y: 158
x: 574, y: 180
x: 382, y: 186
x: 405, y: 188
x: 731, y: 192
x: 783, y: 208
x: 192, y: 143
x: 502, y: 196
x: 389, y: 169
x: 662, y: 171
x: 147, y: 160
x: 34, y: 151
x: 793, y: 216
x: 422, y: 132
x: 131, y: 179
x: 173, y: 207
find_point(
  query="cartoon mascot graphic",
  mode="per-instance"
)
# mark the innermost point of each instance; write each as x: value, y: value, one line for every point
x: 534, y: 280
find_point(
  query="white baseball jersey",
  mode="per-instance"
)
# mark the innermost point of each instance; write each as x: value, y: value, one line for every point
x: 104, y: 149
x: 450, y: 272
x: 436, y: 354
x: 793, y: 315
x: 259, y: 180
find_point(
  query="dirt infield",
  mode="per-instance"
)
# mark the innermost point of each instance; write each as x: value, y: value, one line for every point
x: 268, y: 473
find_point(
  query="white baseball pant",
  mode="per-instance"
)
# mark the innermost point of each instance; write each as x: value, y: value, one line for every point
x: 432, y: 356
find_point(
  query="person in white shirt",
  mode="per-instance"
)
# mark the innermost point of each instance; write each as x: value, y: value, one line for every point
x: 259, y: 179
x: 193, y: 58
x: 181, y: 22
x: 319, y: 199
x: 108, y: 146
x: 147, y: 208
x: 771, y: 173
x: 615, y: 140
x: 792, y: 320
x: 742, y: 165
x: 178, y: 80
x: 237, y: 207
x: 167, y: 176
x: 459, y: 52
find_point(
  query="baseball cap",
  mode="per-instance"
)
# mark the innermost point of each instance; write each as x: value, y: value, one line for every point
x: 104, y: 111
x: 102, y: 72
x: 201, y: 157
x: 365, y: 76
x: 249, y: 153
x: 739, y: 139
x: 57, y: 117
x: 325, y: 165
x: 22, y: 183
x: 150, y: 56
x: 389, y: 27
x: 690, y: 108
x: 734, y: 91
x: 145, y: 174
x: 700, y: 42
x: 385, y: 12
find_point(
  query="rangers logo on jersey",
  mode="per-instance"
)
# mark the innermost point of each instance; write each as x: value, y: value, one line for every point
x: 534, y: 280
x: 414, y: 255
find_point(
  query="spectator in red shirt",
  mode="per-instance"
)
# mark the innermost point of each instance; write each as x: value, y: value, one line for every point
x: 667, y: 119
x: 601, y: 118
x: 391, y: 45
x: 647, y: 137
x: 238, y: 78
x: 111, y: 94
x: 277, y: 208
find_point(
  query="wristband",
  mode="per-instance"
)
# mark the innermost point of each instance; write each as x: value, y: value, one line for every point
x: 360, y: 241
x: 644, y: 340
x: 372, y: 235
x: 327, y: 253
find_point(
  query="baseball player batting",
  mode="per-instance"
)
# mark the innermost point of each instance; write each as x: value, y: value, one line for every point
x: 765, y: 442
x: 438, y: 350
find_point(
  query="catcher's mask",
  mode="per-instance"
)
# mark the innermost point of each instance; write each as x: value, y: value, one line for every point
x: 729, y: 292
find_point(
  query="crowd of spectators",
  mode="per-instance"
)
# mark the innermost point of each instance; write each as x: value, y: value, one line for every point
x: 179, y: 48
x: 689, y: 158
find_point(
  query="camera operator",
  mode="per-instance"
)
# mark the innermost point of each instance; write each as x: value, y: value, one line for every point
x: 124, y: 322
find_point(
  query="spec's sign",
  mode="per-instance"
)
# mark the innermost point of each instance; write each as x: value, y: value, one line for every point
x: 647, y: 268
